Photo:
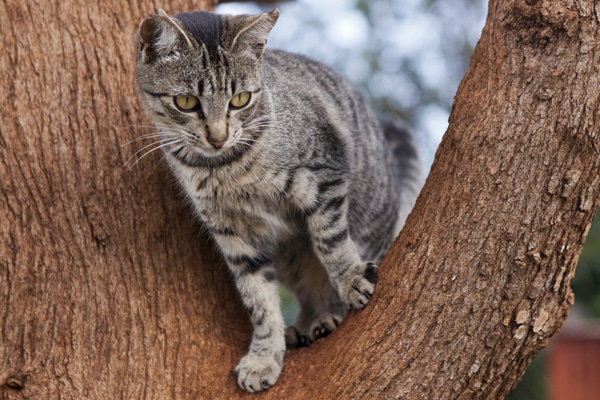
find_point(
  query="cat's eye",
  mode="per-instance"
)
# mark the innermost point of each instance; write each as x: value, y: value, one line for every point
x: 240, y: 100
x: 187, y: 103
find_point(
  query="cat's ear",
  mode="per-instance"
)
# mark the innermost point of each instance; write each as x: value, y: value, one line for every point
x: 252, y: 31
x: 160, y: 36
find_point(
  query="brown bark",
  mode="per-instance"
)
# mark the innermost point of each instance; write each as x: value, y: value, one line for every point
x: 107, y: 290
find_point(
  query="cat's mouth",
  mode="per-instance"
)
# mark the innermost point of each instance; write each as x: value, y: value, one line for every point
x: 214, y: 149
x: 195, y: 155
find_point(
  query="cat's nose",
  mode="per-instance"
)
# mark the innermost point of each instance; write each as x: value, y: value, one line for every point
x: 217, y: 144
x: 216, y: 133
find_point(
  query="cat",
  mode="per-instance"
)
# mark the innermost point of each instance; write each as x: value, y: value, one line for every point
x: 286, y: 166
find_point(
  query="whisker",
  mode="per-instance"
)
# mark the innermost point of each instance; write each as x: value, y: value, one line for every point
x: 154, y: 128
x: 259, y: 123
x: 147, y: 153
x: 257, y: 128
x: 165, y: 130
x: 149, y: 125
x: 152, y: 136
x: 249, y: 142
x: 262, y: 122
x: 158, y: 145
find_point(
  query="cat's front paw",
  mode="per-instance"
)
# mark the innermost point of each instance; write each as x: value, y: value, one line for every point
x: 359, y: 285
x: 255, y: 373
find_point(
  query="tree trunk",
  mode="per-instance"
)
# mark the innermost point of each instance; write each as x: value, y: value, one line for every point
x: 108, y: 291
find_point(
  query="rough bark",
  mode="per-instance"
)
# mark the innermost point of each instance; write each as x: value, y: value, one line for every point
x: 108, y: 291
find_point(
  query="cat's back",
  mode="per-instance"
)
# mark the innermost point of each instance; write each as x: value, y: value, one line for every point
x: 308, y: 80
x: 296, y: 66
x: 313, y: 98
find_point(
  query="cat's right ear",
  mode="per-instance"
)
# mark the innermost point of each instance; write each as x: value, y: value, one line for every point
x: 160, y: 36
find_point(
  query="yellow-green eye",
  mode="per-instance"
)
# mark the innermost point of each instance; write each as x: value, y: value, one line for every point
x: 240, y: 100
x: 186, y: 103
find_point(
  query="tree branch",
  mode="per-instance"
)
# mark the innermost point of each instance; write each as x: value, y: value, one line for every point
x: 108, y: 292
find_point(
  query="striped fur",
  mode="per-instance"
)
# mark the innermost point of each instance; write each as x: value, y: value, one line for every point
x: 307, y: 187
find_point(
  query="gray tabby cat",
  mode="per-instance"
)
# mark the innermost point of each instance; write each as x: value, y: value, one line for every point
x: 286, y: 166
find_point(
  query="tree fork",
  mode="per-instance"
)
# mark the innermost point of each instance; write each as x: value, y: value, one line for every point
x: 107, y: 291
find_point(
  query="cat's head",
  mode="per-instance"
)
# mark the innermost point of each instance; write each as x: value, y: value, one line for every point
x: 199, y: 77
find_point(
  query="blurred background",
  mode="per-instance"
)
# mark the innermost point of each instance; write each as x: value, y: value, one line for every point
x: 408, y: 57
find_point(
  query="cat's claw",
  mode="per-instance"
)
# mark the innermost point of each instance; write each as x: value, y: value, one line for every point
x: 322, y: 326
x: 255, y: 373
x: 361, y: 286
x: 294, y: 338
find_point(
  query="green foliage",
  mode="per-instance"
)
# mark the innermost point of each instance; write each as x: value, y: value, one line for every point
x: 289, y: 306
x: 586, y: 286
x: 533, y: 384
x: 586, y: 283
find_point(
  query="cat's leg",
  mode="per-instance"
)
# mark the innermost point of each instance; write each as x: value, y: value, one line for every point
x: 312, y: 325
x: 353, y: 278
x: 321, y: 310
x: 255, y: 280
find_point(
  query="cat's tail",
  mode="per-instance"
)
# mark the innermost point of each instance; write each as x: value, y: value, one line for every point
x: 406, y: 163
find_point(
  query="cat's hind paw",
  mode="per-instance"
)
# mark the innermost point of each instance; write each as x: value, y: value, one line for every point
x: 360, y: 286
x: 322, y: 326
x: 255, y: 373
x: 294, y: 338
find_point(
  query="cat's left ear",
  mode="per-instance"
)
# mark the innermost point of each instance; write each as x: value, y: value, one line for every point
x: 253, y: 31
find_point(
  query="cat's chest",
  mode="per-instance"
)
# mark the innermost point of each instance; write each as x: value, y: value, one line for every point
x: 232, y: 188
x: 230, y: 198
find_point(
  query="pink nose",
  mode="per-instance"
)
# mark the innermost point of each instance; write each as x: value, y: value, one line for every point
x: 216, y: 144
